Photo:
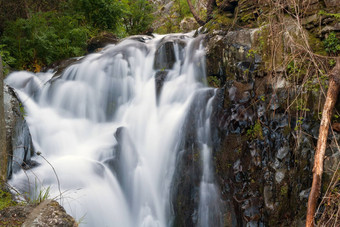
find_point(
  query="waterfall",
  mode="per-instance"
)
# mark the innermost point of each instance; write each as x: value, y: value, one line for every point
x: 112, y: 126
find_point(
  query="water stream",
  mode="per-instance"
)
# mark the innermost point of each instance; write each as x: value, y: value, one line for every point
x: 111, y: 126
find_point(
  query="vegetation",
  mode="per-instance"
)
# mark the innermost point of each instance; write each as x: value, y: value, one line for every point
x: 52, y: 31
x: 6, y: 200
x: 332, y: 44
x: 170, y: 21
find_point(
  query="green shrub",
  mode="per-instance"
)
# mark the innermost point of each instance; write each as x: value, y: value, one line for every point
x: 101, y: 14
x: 61, y: 32
x: 332, y: 44
x: 138, y: 16
x: 43, y: 39
x: 5, y: 200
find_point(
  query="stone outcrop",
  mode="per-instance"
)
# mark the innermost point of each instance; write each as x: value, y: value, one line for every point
x: 49, y: 213
x: 100, y: 41
x: 263, y: 148
x: 46, y: 214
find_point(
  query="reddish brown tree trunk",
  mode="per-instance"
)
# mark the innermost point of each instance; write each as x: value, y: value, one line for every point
x: 332, y: 95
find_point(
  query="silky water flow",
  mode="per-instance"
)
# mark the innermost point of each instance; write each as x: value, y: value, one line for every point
x: 111, y: 126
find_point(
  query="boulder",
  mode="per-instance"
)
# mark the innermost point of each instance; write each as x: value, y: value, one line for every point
x: 165, y: 56
x: 101, y: 40
x: 49, y: 213
x: 160, y: 78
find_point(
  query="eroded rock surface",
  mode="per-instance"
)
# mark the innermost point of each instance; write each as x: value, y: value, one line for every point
x: 49, y: 213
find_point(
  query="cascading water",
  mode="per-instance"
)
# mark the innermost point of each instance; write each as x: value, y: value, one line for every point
x: 111, y: 127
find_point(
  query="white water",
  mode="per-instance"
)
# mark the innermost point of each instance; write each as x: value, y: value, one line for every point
x: 110, y: 177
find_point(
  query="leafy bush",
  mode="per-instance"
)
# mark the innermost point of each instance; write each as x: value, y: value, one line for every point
x: 332, y: 43
x: 43, y: 39
x: 138, y: 16
x: 6, y: 58
x: 101, y: 14
x: 5, y: 199
x: 36, y: 39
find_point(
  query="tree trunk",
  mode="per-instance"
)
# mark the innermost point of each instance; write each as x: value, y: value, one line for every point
x: 3, y: 151
x: 332, y: 95
x: 194, y: 13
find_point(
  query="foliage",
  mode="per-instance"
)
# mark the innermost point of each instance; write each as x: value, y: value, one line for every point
x: 138, y: 16
x: 43, y: 39
x: 336, y: 15
x: 49, y: 31
x: 255, y: 131
x: 40, y: 195
x: 101, y: 14
x: 6, y: 58
x: 171, y: 20
x: 182, y: 8
x: 5, y: 199
x: 332, y: 44
x: 213, y: 81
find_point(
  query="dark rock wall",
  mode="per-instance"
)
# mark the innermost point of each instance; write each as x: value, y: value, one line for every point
x: 264, y: 149
x: 18, y: 138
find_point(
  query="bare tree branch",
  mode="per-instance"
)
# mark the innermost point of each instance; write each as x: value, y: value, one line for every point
x: 194, y: 13
x: 331, y: 98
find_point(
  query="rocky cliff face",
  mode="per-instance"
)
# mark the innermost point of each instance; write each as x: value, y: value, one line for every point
x: 266, y: 129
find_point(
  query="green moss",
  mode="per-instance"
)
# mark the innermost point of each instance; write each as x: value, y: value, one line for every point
x: 6, y: 200
x: 332, y: 44
x: 255, y: 132
x: 218, y: 22
x: 335, y: 15
x: 316, y: 44
x: 284, y: 190
x: 286, y: 131
x: 262, y: 47
x: 213, y: 81
x: 247, y: 17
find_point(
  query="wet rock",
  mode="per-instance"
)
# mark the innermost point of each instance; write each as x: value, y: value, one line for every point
x: 240, y: 92
x: 59, y: 66
x: 165, y: 56
x: 280, y: 175
x: 252, y: 211
x: 268, y: 197
x: 18, y: 137
x: 304, y: 194
x: 140, y: 38
x: 101, y: 40
x: 160, y: 78
x: 49, y: 213
x: 282, y: 152
x: 124, y: 159
x: 331, y: 163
